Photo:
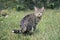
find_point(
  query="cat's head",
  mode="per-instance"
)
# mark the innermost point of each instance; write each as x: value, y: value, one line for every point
x: 38, y: 11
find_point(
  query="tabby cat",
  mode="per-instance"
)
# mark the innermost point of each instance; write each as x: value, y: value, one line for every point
x: 29, y: 22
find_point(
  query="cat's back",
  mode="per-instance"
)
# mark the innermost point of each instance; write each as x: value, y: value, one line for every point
x: 26, y: 18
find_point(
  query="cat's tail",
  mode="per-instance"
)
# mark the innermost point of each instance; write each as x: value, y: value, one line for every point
x: 16, y: 31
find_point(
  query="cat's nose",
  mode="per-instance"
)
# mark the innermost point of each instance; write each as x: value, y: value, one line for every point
x: 40, y: 14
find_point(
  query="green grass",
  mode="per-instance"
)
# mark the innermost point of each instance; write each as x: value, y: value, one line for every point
x: 47, y: 29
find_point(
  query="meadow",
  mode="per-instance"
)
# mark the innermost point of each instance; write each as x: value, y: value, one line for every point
x: 47, y: 29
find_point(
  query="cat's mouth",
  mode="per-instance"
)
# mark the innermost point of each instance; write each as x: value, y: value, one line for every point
x: 39, y: 17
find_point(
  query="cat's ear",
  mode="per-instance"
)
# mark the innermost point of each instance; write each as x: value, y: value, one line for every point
x: 42, y: 10
x: 35, y: 8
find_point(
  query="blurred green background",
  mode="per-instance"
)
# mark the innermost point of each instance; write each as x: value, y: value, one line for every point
x: 29, y: 4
